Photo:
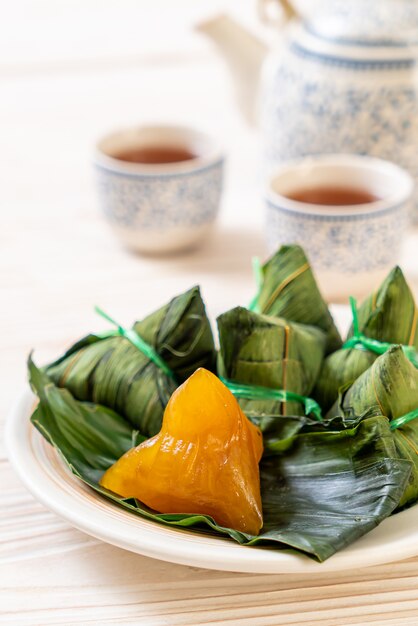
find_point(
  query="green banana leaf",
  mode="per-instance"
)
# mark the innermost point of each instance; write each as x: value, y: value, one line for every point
x: 322, y: 493
x: 269, y: 352
x: 388, y: 315
x: 389, y: 387
x: 289, y: 290
x: 113, y: 372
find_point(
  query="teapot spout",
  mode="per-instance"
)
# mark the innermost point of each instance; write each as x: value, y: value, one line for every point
x: 244, y: 54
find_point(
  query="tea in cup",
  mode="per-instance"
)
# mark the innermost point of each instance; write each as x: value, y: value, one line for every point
x: 349, y: 213
x: 159, y: 186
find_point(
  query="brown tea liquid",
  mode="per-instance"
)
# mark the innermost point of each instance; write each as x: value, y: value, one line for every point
x: 332, y: 196
x: 156, y: 154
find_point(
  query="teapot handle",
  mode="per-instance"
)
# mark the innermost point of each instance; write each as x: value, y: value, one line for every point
x: 276, y: 11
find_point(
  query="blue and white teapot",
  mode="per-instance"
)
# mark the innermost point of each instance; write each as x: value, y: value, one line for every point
x: 342, y: 79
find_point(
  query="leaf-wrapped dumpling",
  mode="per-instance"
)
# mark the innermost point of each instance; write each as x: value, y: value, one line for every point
x: 389, y: 387
x: 323, y: 491
x: 113, y: 372
x: 388, y: 315
x: 269, y: 352
x: 289, y: 290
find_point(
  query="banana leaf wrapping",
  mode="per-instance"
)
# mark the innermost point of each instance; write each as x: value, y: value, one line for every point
x: 113, y: 372
x: 289, y: 290
x: 269, y: 352
x: 322, y: 493
x: 389, y: 387
x: 388, y: 315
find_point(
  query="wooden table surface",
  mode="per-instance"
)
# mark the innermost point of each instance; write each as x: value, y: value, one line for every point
x: 69, y: 72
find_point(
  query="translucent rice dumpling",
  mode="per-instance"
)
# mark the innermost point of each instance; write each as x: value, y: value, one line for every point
x: 388, y: 315
x: 113, y: 372
x: 390, y: 388
x: 289, y: 290
x: 269, y: 352
x: 204, y: 460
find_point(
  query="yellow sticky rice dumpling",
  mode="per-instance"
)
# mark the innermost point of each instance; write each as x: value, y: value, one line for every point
x: 204, y: 460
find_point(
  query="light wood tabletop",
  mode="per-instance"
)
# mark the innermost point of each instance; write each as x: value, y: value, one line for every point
x: 70, y: 71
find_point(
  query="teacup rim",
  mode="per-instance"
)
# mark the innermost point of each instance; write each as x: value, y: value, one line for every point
x: 213, y: 156
x: 392, y: 201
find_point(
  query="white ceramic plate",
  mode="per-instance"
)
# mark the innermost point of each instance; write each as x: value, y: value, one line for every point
x: 49, y: 480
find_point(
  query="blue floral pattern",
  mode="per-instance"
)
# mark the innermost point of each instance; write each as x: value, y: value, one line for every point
x: 347, y: 243
x: 161, y: 202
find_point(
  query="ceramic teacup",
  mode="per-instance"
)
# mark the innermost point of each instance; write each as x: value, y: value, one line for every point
x: 351, y: 247
x: 163, y: 203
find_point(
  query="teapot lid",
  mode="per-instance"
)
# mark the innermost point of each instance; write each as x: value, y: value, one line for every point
x: 365, y: 22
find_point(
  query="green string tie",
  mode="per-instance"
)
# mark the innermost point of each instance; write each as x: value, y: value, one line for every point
x: 255, y: 392
x: 258, y: 277
x: 404, y: 419
x: 136, y: 340
x: 359, y: 341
